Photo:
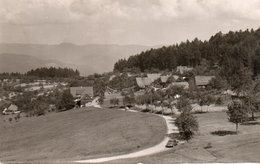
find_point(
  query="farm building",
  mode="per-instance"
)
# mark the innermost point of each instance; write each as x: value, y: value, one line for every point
x: 203, y: 81
x: 82, y: 95
x: 153, y: 76
x: 12, y: 109
x: 166, y: 77
x: 78, y: 92
x: 143, y: 82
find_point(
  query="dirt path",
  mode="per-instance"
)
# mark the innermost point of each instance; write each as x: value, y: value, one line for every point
x: 171, y: 128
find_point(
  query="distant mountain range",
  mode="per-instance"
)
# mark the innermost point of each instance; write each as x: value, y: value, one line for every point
x: 23, y: 63
x: 87, y: 59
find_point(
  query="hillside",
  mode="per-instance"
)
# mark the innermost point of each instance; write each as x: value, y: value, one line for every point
x: 234, y: 56
x: 78, y: 134
x: 88, y: 58
x: 241, y: 148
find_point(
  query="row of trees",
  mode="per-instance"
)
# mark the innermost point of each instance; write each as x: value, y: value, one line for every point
x: 44, y: 72
x: 53, y: 72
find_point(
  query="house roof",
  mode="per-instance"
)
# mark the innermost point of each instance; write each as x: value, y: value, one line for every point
x: 203, y: 80
x: 81, y: 91
x: 142, y: 82
x: 13, y: 107
x: 153, y: 76
x: 183, y: 84
x: 164, y: 78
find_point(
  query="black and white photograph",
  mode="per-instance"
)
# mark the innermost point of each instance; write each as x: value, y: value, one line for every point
x: 129, y: 81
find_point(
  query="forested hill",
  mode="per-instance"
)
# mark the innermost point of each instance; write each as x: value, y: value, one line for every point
x: 232, y: 53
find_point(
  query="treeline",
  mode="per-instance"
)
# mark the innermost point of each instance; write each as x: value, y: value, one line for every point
x: 234, y: 53
x: 43, y: 72
x: 53, y: 72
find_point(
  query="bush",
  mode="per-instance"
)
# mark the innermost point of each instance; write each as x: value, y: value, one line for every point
x: 187, y: 125
x: 219, y: 101
x: 208, y: 146
x: 145, y: 110
x: 223, y: 133
x: 158, y: 112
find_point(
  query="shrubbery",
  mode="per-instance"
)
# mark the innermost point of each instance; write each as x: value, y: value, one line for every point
x: 187, y: 125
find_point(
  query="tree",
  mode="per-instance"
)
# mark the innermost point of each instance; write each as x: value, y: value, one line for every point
x: 218, y: 83
x: 251, y: 100
x: 225, y: 53
x: 237, y: 112
x: 187, y: 125
x: 183, y: 105
x: 24, y: 102
x: 39, y: 107
x: 66, y: 101
x: 129, y: 98
x: 205, y: 98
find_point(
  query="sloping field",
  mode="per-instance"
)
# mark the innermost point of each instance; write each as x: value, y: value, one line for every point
x: 79, y: 134
x: 244, y: 147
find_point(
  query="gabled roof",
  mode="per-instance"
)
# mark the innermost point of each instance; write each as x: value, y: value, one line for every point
x: 203, y: 80
x: 142, y: 82
x: 81, y: 91
x: 13, y: 107
x: 183, y: 84
x: 164, y: 78
x: 153, y: 76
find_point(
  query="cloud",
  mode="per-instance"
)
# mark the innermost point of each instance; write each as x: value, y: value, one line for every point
x: 35, y: 11
x: 168, y: 9
x: 66, y: 11
x: 122, y: 21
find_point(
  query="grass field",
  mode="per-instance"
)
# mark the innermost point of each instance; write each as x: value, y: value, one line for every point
x: 244, y: 147
x: 78, y: 134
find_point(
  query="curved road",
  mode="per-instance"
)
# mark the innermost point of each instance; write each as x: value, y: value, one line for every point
x: 171, y: 128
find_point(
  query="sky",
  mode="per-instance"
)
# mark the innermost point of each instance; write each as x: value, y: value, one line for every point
x: 143, y: 22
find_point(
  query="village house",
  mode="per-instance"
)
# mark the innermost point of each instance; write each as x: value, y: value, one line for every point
x: 203, y: 81
x: 12, y: 109
x: 82, y: 95
x: 166, y: 77
x: 153, y: 76
x: 143, y: 82
x: 81, y: 91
